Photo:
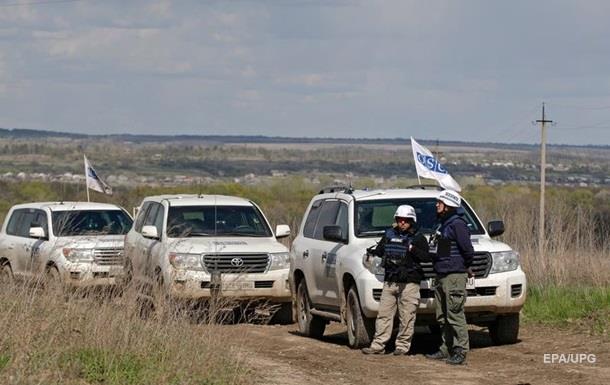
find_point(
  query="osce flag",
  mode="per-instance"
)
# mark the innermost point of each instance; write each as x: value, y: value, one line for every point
x: 94, y: 182
x: 428, y: 167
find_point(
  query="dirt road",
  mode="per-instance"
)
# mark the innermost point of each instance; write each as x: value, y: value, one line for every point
x: 281, y: 356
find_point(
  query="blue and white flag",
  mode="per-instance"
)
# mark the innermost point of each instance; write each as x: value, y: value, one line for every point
x: 94, y: 182
x: 428, y: 167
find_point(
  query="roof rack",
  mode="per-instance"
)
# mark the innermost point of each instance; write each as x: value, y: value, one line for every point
x: 426, y: 187
x: 333, y: 189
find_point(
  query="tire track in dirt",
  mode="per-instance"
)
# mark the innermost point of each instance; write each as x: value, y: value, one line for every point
x: 281, y: 356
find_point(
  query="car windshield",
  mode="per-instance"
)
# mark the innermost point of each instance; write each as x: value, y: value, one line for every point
x: 206, y: 221
x: 375, y: 216
x: 90, y: 222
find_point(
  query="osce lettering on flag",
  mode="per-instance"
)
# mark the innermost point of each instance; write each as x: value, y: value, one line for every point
x: 94, y: 182
x: 427, y: 166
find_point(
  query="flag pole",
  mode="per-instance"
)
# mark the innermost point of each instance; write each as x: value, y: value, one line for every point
x: 86, y: 179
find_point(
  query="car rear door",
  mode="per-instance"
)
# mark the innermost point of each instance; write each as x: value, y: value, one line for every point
x: 323, y: 256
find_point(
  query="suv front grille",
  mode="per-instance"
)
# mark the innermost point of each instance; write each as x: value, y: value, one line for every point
x: 480, y: 266
x: 108, y: 256
x: 236, y: 263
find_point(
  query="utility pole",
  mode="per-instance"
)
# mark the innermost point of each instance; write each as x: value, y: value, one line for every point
x: 541, y: 237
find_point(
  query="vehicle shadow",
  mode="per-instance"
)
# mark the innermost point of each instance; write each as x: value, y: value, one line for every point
x: 423, y: 342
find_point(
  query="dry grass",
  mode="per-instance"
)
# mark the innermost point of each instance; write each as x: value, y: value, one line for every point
x: 575, y: 252
x: 49, y: 337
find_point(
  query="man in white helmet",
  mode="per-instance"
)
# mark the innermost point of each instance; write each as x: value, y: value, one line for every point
x: 402, y: 248
x: 452, y: 259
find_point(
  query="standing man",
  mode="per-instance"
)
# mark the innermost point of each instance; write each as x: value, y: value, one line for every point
x: 402, y: 248
x: 454, y: 255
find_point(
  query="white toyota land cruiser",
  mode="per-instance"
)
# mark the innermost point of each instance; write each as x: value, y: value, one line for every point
x: 182, y: 243
x: 333, y: 279
x: 75, y: 243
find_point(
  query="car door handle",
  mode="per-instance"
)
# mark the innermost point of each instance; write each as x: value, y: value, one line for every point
x: 324, y: 255
x: 305, y: 253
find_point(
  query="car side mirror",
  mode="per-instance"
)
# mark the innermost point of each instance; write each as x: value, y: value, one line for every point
x: 495, y: 228
x: 282, y: 231
x: 150, y: 232
x: 37, y: 232
x: 333, y: 233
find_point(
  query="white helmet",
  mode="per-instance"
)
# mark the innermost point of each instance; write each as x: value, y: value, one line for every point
x: 406, y: 211
x: 450, y: 198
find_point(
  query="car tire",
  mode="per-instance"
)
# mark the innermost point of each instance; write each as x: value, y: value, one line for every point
x: 52, y: 279
x: 309, y: 324
x: 283, y: 315
x: 6, y: 274
x: 505, y: 329
x: 360, y: 329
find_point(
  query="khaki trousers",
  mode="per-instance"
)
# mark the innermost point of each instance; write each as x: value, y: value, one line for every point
x: 404, y: 297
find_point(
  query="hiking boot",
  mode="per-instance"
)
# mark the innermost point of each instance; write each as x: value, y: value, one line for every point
x: 457, y: 358
x: 436, y: 356
x: 372, y: 351
x: 400, y: 352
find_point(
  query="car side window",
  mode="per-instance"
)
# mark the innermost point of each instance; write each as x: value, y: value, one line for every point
x: 40, y: 220
x: 159, y: 219
x: 141, y: 215
x: 13, y: 223
x: 28, y: 218
x: 312, y: 218
x: 342, y: 220
x: 328, y: 216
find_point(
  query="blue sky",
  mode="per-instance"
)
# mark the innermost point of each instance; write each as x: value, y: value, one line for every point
x: 471, y: 70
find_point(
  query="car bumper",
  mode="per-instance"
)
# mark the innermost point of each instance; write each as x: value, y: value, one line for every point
x: 499, y: 293
x: 273, y: 285
x: 87, y: 274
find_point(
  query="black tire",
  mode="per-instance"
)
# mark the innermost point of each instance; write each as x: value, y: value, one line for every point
x: 309, y: 324
x: 505, y: 329
x: 283, y: 315
x: 360, y: 329
x: 52, y: 279
x: 6, y: 274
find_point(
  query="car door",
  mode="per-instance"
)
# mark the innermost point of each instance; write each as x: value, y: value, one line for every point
x: 133, y: 241
x: 154, y: 217
x: 323, y: 256
x: 11, y: 245
x: 39, y: 249
x: 304, y: 242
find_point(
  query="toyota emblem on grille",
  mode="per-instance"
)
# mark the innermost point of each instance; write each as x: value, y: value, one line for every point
x: 237, y: 262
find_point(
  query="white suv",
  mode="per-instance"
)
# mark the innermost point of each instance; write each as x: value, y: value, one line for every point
x: 75, y: 243
x: 182, y: 243
x: 333, y: 278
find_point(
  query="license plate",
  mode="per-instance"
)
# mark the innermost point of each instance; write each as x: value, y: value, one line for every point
x: 428, y: 283
x: 237, y: 285
x: 470, y: 283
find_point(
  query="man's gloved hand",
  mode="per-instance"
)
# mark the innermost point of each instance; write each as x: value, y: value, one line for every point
x: 469, y: 272
x: 371, y: 250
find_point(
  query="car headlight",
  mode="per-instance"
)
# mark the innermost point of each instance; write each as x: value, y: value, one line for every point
x: 504, y: 261
x: 78, y: 255
x: 185, y: 261
x: 373, y: 264
x: 279, y: 261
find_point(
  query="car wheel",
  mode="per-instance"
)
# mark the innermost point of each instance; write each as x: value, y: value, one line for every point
x: 283, y: 315
x: 505, y: 329
x: 360, y: 329
x: 6, y: 274
x: 309, y: 324
x: 52, y: 279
